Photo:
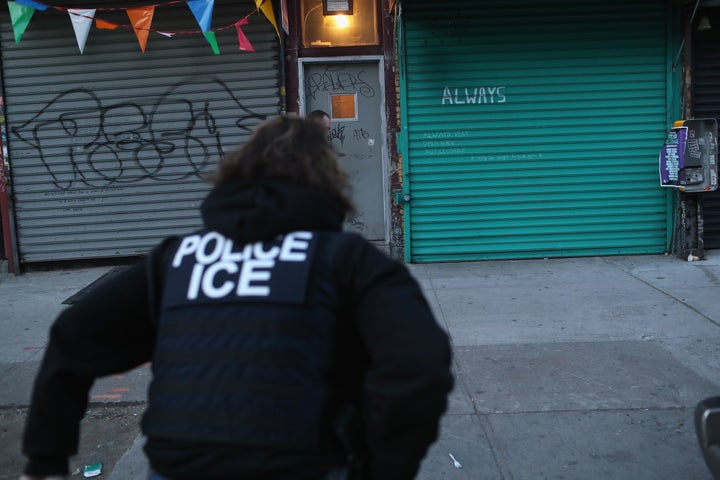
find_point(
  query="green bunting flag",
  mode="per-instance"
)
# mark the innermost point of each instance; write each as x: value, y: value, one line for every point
x: 210, y: 37
x: 20, y: 16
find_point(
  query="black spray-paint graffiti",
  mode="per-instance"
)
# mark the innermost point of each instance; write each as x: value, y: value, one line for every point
x: 361, y: 134
x: 338, y: 133
x: 177, y: 137
x: 334, y: 79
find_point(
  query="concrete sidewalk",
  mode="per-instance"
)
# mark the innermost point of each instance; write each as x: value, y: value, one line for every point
x: 581, y: 368
x: 576, y: 368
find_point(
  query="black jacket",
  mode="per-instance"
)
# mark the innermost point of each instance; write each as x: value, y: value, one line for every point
x: 390, y: 360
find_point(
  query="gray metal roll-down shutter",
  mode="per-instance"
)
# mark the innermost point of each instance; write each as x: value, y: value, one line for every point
x: 108, y: 149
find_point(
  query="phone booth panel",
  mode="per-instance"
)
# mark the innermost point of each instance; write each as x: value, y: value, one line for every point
x: 688, y: 160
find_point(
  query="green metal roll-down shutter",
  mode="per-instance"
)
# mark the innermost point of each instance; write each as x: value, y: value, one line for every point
x: 533, y: 128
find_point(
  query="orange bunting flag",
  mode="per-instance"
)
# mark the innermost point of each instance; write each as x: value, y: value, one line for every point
x: 245, y: 44
x: 102, y: 24
x: 141, y: 19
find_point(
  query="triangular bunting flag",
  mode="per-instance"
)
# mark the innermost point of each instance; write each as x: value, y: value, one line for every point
x: 82, y: 20
x: 20, y: 16
x: 102, y: 24
x: 266, y: 8
x: 210, y: 37
x: 242, y: 39
x: 141, y: 19
x: 30, y: 3
x: 202, y: 9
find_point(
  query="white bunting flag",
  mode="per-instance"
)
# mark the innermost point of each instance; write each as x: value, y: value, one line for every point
x: 82, y: 20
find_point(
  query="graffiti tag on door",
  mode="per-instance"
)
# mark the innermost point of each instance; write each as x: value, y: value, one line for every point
x: 337, y: 79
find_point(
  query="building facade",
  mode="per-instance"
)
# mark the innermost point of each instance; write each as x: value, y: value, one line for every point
x: 471, y: 130
x: 703, y: 101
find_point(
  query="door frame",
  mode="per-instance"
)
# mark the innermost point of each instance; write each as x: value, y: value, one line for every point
x: 384, y: 164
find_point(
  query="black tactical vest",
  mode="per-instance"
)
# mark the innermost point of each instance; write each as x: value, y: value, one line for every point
x: 245, y: 339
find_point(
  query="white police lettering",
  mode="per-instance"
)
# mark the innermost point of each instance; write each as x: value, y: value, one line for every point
x: 247, y: 272
x: 294, y: 247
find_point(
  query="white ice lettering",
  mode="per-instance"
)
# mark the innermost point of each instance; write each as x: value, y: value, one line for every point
x: 195, y: 279
x: 251, y: 272
x: 208, y: 283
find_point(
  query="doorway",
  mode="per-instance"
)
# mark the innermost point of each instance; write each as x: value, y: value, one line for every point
x: 352, y: 93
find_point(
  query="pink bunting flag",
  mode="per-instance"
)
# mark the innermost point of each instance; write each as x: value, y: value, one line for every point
x: 141, y: 19
x: 245, y: 44
x: 284, y: 16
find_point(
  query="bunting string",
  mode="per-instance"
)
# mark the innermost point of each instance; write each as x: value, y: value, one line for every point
x: 21, y: 12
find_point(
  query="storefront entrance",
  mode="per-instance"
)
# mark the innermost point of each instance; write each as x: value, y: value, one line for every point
x: 351, y: 93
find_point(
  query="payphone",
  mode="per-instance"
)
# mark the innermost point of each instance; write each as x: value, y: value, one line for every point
x: 689, y: 157
x: 689, y: 162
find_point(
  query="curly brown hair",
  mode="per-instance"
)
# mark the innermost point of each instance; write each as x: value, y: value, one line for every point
x: 292, y: 149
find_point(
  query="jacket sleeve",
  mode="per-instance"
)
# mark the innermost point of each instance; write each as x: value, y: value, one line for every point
x: 408, y: 377
x: 108, y: 331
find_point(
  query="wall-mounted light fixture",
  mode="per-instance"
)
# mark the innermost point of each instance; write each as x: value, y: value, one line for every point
x: 337, y: 7
x: 337, y: 21
x: 340, y: 23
